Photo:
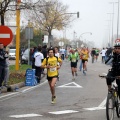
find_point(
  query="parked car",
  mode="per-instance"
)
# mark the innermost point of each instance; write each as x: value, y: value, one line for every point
x: 24, y: 58
x: 12, y: 54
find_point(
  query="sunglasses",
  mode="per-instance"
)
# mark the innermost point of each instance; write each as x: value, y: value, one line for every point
x: 117, y: 48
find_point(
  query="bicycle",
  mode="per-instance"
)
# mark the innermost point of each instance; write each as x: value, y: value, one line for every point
x: 112, y: 101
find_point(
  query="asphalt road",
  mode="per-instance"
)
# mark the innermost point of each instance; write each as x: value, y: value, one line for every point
x: 81, y: 99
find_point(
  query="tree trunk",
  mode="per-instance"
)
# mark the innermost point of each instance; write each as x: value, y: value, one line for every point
x: 2, y: 19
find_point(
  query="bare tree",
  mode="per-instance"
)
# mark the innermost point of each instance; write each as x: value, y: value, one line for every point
x: 49, y: 15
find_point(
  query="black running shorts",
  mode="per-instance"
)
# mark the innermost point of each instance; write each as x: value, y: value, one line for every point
x: 50, y: 78
x: 74, y: 64
x: 83, y: 61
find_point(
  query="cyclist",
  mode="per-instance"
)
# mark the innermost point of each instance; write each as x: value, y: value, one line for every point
x: 115, y: 70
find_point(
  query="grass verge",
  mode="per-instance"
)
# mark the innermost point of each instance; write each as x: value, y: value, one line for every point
x: 17, y: 76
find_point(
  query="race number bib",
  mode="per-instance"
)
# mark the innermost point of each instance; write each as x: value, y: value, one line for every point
x: 52, y: 69
x: 73, y: 60
x: 84, y: 56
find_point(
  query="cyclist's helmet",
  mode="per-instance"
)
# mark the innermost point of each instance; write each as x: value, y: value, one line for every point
x: 117, y: 44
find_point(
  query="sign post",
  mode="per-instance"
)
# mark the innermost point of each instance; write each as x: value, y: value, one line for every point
x: 29, y: 36
x: 6, y: 35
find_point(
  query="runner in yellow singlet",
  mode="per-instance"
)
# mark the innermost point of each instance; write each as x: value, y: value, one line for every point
x: 85, y: 56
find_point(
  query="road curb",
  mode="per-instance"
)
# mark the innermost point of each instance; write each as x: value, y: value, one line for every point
x: 13, y: 87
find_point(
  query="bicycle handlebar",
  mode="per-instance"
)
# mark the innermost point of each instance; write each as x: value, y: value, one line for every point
x: 103, y: 76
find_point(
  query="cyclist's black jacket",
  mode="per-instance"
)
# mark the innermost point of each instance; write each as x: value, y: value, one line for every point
x: 3, y: 58
x: 116, y: 64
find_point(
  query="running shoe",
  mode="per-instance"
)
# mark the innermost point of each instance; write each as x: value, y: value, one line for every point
x: 53, y: 100
x: 73, y: 78
x: 84, y: 72
x: 76, y: 73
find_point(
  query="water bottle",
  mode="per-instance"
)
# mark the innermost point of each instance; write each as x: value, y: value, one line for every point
x: 16, y: 88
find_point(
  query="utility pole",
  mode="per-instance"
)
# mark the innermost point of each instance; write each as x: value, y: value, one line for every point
x: 118, y: 21
x: 18, y: 33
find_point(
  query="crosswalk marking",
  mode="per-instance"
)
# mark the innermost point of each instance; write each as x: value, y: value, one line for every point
x: 63, y: 112
x: 25, y: 115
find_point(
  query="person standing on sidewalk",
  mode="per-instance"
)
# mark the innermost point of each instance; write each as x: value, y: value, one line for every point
x: 6, y: 78
x: 3, y: 57
x: 51, y: 63
x: 73, y: 57
x: 38, y: 56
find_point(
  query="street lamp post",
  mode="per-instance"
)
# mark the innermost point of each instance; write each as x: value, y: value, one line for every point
x: 118, y: 20
x: 112, y: 20
x: 85, y: 33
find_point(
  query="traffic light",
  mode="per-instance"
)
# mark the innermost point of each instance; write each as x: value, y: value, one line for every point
x: 77, y: 14
x: 42, y: 37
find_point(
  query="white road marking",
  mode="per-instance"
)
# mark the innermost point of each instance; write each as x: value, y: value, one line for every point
x: 8, y: 96
x: 31, y: 88
x: 25, y: 115
x: 100, y: 107
x: 95, y: 108
x: 103, y: 103
x: 71, y: 85
x: 4, y: 35
x: 63, y: 112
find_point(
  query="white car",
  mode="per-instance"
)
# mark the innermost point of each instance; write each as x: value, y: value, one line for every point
x: 24, y: 59
x: 12, y: 54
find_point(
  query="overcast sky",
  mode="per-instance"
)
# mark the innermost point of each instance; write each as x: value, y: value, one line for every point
x: 93, y: 18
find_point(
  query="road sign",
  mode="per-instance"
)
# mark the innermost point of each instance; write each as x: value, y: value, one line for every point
x: 117, y: 40
x: 61, y: 43
x: 45, y: 39
x: 6, y: 35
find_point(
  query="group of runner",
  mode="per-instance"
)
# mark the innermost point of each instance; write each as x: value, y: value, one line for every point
x: 53, y: 63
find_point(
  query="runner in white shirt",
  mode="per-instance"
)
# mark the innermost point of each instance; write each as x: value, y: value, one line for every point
x: 38, y: 60
x: 103, y: 54
x: 57, y: 54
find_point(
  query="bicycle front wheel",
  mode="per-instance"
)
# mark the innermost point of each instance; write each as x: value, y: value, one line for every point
x: 117, y: 105
x: 110, y: 107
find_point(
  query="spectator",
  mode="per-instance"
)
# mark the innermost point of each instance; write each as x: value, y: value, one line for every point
x: 38, y: 56
x: 6, y: 77
x: 3, y: 57
x: 33, y: 60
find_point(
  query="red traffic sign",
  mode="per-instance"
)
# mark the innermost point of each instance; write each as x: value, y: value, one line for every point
x: 6, y: 35
x: 117, y: 40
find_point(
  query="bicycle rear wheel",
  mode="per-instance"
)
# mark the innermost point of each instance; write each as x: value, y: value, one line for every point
x: 110, y: 107
x: 117, y: 105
